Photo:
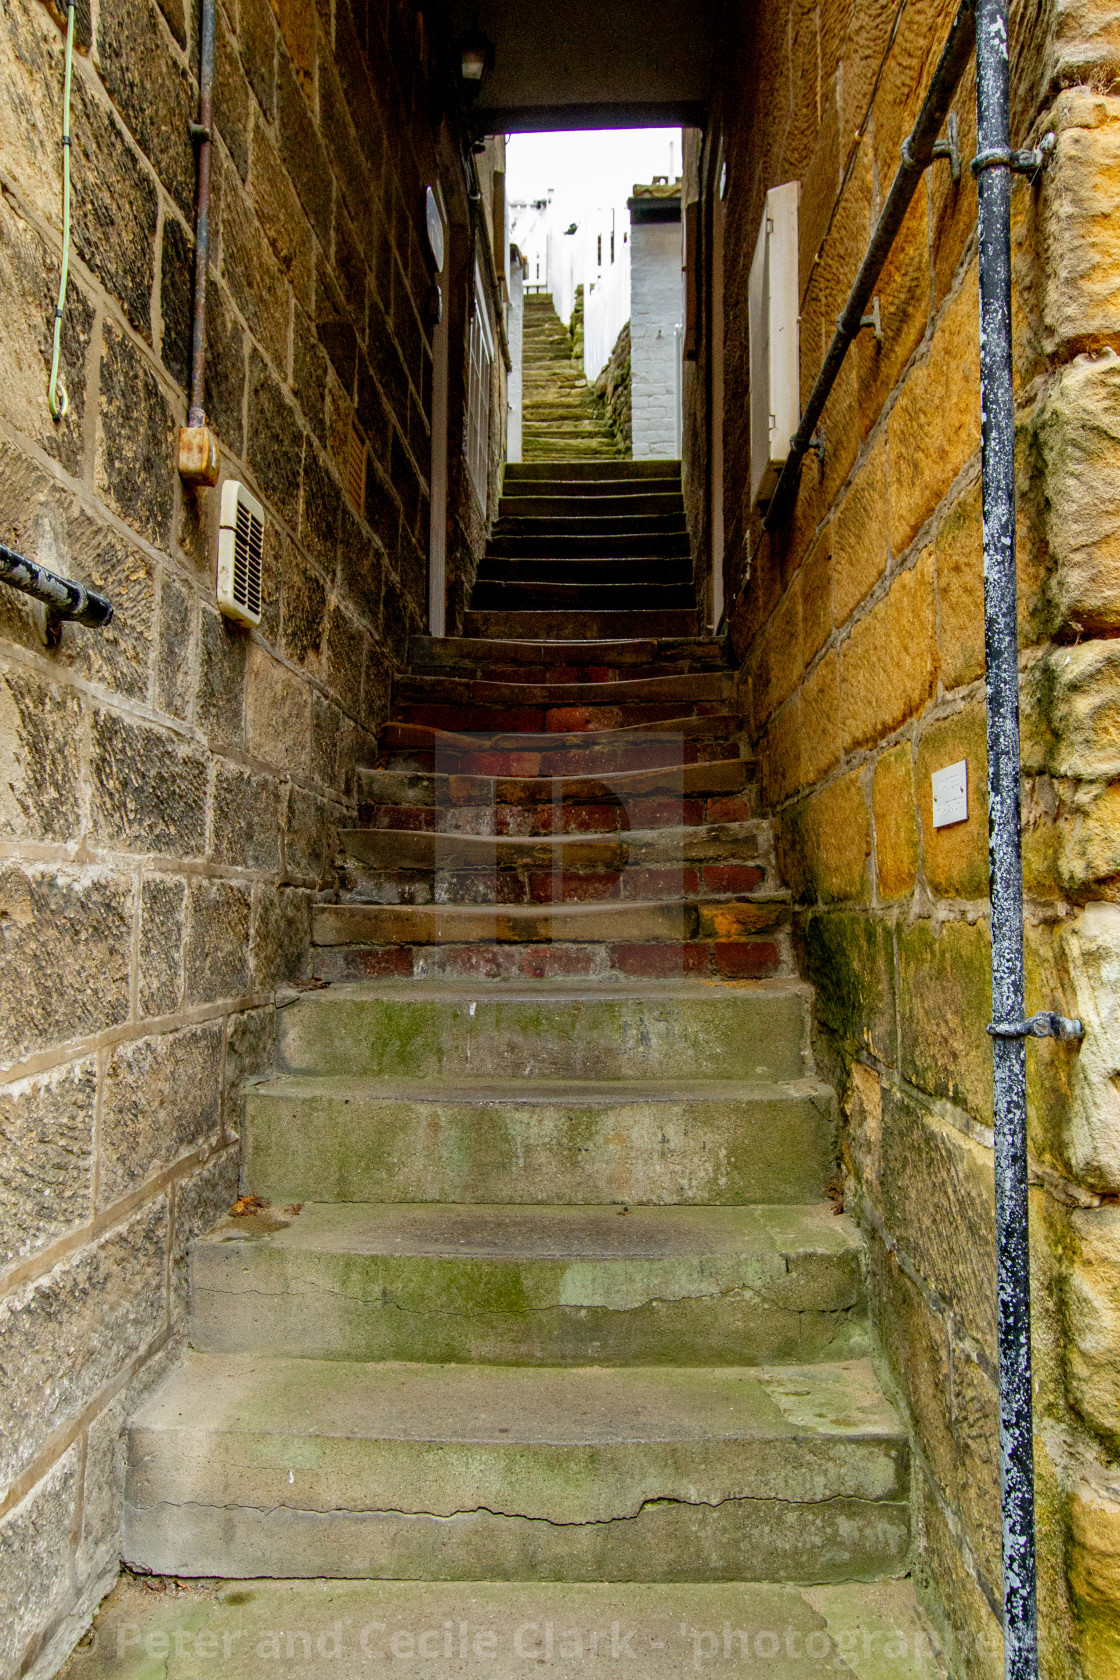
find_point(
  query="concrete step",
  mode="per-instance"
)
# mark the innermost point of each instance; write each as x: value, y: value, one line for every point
x: 345, y: 1139
x: 547, y: 1285
x: 580, y: 918
x: 509, y: 1630
x: 252, y: 1466
x: 567, y: 625
x: 753, y: 1031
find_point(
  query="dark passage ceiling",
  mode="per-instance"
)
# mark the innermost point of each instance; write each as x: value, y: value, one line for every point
x: 591, y: 63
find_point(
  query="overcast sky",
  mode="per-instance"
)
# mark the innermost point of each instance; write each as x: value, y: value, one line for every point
x: 589, y: 170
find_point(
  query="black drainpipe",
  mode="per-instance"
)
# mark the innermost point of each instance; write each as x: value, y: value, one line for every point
x: 993, y: 166
x: 202, y: 133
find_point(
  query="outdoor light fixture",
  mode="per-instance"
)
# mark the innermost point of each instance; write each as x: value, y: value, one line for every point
x: 476, y: 57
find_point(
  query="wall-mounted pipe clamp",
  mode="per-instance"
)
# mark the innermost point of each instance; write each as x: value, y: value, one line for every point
x: 1027, y: 162
x: 1046, y: 1024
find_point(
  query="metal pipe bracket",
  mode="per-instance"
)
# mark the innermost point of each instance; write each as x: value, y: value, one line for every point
x: 1046, y: 1024
x: 1027, y: 162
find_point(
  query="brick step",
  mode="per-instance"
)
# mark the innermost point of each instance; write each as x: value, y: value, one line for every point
x: 476, y: 656
x: 536, y: 625
x: 730, y: 855
x: 497, y: 886
x: 576, y: 752
x: 664, y: 1143
x: 551, y: 1285
x: 591, y: 598
x: 251, y: 1466
x: 606, y: 921
x: 606, y: 962
x: 693, y: 687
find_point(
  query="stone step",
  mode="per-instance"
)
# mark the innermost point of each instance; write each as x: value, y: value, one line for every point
x: 575, y: 504
x: 590, y: 522
x: 592, y: 716
x: 581, y: 917
x: 674, y: 569
x: 509, y: 1630
x: 721, y: 848
x: 265, y: 1467
x: 416, y: 868
x: 583, y: 598
x: 580, y: 449
x: 546, y: 1285
x: 559, y: 625
x: 475, y: 656
x: 603, y: 962
x: 559, y: 754
x: 748, y: 1031
x: 578, y: 545
x: 704, y: 685
x: 517, y: 471
x: 344, y: 1139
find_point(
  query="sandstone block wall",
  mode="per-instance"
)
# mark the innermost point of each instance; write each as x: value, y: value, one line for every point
x: 860, y: 633
x: 169, y: 787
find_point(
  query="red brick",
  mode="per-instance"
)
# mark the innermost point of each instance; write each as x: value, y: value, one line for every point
x: 546, y: 962
x: 660, y: 962
x: 732, y: 877
x: 670, y: 882
x: 565, y: 719
x: 730, y: 807
x: 574, y: 886
x: 741, y: 959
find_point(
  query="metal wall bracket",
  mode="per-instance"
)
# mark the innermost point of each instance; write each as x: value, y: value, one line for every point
x: 874, y: 320
x: 1046, y: 1024
x: 950, y: 147
x: 1027, y: 162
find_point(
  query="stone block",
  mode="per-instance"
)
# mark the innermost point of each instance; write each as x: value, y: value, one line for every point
x: 953, y: 203
x: 1079, y: 208
x: 946, y: 383
x: 280, y: 215
x: 903, y: 291
x: 850, y: 960
x: 345, y: 653
x: 824, y: 843
x: 136, y: 439
x: 29, y: 285
x: 36, y: 1563
x: 161, y: 1097
x: 955, y: 859
x: 174, y: 667
x: 256, y: 30
x: 973, y: 1640
x: 163, y: 904
x: 820, y: 720
x: 819, y: 187
x: 232, y: 99
x: 246, y: 822
x: 275, y: 446
x: 303, y: 152
x: 361, y: 568
x: 954, y: 1253
x: 309, y: 836
x: 975, y: 1424
x: 151, y: 89
x: 112, y: 173
x: 65, y: 954
x: 281, y: 936
x: 250, y: 1052
x: 780, y: 754
x: 297, y: 29
x: 149, y: 788
x: 119, y: 657
x: 1081, y: 696
x: 218, y: 940
x: 31, y: 84
x: 888, y: 664
x: 1091, y: 1319
x: 73, y: 1330
x: 1094, y: 1573
x: 1091, y: 952
x: 1078, y: 435
x: 896, y: 824
x: 816, y: 596
x: 200, y: 1201
x: 278, y: 711
x: 257, y: 280
x: 223, y: 656
x: 1085, y: 45
x: 859, y: 535
x: 945, y: 997
x: 40, y: 760
x: 1090, y: 836
x: 46, y: 1157
x: 959, y: 550
x: 320, y: 507
x: 775, y: 673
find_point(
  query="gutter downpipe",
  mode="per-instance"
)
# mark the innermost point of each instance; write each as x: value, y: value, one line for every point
x: 198, y: 449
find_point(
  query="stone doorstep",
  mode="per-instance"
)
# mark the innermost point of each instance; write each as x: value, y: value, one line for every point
x: 547, y: 1285
x: 631, y: 921
x: 312, y: 1630
x: 626, y: 1142
x: 427, y: 1471
x: 549, y: 1029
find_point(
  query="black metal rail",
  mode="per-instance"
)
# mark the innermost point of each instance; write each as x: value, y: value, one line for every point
x: 917, y: 155
x: 62, y: 598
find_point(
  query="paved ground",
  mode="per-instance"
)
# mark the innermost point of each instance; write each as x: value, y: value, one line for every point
x: 324, y: 1630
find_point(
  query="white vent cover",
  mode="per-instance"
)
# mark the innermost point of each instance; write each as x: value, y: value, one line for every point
x: 772, y: 307
x: 240, y: 546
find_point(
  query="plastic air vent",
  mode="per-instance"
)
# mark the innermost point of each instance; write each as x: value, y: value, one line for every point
x: 240, y: 546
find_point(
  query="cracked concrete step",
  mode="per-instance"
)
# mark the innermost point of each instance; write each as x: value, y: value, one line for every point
x: 510, y: 1630
x: 574, y: 920
x: 546, y: 1285
x: 252, y: 1466
x: 671, y: 1142
x: 750, y: 1030
x: 533, y: 625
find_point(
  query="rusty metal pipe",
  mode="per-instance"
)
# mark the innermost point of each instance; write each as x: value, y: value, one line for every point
x: 202, y: 132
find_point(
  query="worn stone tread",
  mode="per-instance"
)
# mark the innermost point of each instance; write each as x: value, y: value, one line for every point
x: 601, y: 920
x: 424, y: 848
x: 703, y: 685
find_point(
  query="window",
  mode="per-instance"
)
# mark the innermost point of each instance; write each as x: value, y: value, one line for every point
x: 478, y: 392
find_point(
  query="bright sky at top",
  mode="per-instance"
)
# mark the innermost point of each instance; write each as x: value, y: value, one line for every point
x: 589, y: 170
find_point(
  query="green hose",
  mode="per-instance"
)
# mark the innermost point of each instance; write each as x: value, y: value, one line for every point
x: 57, y: 400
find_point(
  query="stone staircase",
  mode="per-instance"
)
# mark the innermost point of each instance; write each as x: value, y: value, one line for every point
x: 560, y: 421
x: 545, y: 1285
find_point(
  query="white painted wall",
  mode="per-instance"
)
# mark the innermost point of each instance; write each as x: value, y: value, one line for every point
x: 656, y: 313
x: 515, y: 321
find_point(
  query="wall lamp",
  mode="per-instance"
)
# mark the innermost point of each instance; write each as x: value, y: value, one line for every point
x: 476, y: 58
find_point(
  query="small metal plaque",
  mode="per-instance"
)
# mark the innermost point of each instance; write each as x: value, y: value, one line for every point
x: 435, y: 230
x: 950, y: 794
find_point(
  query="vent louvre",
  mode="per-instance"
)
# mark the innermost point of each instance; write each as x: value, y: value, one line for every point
x: 240, y: 554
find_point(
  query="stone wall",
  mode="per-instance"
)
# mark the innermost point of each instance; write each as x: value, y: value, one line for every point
x: 169, y: 786
x: 860, y: 633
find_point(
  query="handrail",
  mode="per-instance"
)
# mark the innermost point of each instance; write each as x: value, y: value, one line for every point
x: 62, y: 597
x: 917, y: 155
